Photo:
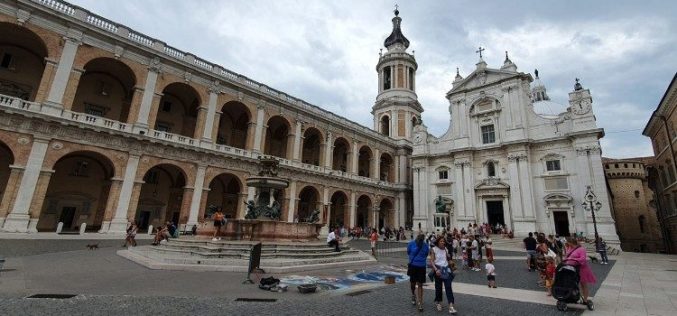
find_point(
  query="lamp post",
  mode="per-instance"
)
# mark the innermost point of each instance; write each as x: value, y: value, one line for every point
x: 590, y: 203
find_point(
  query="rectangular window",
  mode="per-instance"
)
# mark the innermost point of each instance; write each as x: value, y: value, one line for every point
x: 444, y: 174
x: 6, y: 61
x: 556, y: 183
x: 488, y: 135
x: 167, y: 106
x: 553, y: 165
x: 386, y: 78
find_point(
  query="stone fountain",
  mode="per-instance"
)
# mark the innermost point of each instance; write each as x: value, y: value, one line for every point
x: 287, y: 247
x: 262, y: 221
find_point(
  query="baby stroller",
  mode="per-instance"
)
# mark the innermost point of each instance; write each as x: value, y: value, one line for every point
x: 566, y: 289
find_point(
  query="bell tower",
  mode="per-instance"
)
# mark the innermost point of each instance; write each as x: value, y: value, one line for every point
x: 396, y: 109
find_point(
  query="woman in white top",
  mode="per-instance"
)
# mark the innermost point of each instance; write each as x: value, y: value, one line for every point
x: 439, y: 261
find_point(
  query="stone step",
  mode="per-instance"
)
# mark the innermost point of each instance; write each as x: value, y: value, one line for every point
x: 325, y: 252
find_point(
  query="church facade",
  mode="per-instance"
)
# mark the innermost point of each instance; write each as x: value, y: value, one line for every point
x: 504, y: 160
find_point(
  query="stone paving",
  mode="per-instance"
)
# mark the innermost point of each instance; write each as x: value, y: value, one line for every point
x: 106, y: 284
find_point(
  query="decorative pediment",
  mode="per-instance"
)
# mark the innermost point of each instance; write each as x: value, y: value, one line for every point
x: 558, y: 200
x: 492, y: 183
x: 552, y: 156
x: 481, y: 77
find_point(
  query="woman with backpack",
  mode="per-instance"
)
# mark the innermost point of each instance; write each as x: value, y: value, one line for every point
x: 417, y: 250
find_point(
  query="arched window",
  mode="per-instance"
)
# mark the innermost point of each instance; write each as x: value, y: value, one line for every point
x: 642, y: 221
x: 385, y: 125
x: 491, y: 169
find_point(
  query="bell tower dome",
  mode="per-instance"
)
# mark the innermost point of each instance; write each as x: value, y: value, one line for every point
x: 396, y: 108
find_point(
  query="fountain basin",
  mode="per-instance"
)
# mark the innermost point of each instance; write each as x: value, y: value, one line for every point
x: 263, y: 230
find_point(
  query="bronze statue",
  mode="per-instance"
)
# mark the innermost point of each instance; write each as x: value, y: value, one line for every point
x: 440, y: 205
x: 314, y: 217
x: 251, y: 210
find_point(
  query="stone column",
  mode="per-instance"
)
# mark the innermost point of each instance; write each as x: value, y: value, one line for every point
x: 134, y: 201
x: 197, y: 196
x: 46, y: 80
x: 142, y: 122
x: 39, y: 199
x: 355, y: 158
x: 11, y: 188
x: 402, y: 169
x: 63, y: 71
x: 525, y: 185
x: 290, y: 148
x: 515, y: 190
x: 186, y: 205
x: 203, y: 206
x: 209, y: 120
x: 376, y: 165
x: 72, y: 88
x: 468, y: 182
x: 329, y: 151
x: 324, y: 218
x: 292, y: 201
x: 119, y: 222
x: 259, y: 135
x: 459, y: 191
x: 154, y: 109
x: 251, y: 133
x: 111, y: 203
x: 18, y: 218
x: 297, y: 141
x: 353, y: 209
x: 134, y: 105
x: 216, y: 126
x: 401, y: 210
x: 199, y: 131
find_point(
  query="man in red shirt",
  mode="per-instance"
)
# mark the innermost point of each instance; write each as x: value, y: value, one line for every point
x: 373, y: 238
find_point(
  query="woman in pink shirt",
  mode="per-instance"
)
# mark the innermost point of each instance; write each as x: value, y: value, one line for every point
x: 576, y: 253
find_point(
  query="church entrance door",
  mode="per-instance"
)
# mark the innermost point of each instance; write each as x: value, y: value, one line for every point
x: 495, y: 213
x: 561, y: 223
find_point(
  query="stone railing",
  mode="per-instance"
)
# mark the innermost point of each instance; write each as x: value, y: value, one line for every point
x: 214, y: 69
x: 10, y: 104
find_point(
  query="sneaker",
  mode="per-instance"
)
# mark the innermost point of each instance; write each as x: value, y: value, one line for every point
x: 439, y: 307
x: 452, y: 310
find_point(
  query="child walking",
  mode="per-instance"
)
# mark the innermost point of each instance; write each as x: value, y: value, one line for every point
x: 491, y: 273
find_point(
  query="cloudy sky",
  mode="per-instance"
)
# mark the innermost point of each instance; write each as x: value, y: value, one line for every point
x: 325, y: 52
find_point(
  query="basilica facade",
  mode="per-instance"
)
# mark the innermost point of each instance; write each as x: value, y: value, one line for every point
x: 508, y: 159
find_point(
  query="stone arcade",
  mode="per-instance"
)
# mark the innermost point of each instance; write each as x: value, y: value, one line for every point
x: 102, y: 125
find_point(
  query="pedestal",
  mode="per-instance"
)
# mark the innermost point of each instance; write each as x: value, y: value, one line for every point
x: 51, y: 108
x: 16, y: 223
x: 117, y: 227
x: 105, y: 226
x: 33, y: 225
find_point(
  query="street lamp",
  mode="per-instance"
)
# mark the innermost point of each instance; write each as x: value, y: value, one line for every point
x: 590, y: 203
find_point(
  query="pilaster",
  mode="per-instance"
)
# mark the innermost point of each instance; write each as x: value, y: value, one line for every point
x: 119, y: 221
x: 197, y: 195
x: 54, y: 100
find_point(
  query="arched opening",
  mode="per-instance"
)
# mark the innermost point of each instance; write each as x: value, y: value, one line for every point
x: 491, y: 169
x: 363, y: 210
x: 6, y: 160
x: 233, y: 125
x: 277, y: 137
x: 385, y: 125
x: 309, y: 201
x: 161, y: 196
x: 77, y: 192
x: 105, y: 89
x: 178, y: 109
x: 340, y: 154
x: 22, y: 61
x: 224, y: 193
x: 386, y: 214
x: 387, y: 166
x: 312, y: 139
x: 339, y: 209
x: 364, y: 162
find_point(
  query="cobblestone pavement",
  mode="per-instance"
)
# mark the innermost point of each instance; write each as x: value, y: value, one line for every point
x: 389, y: 300
x: 107, y: 284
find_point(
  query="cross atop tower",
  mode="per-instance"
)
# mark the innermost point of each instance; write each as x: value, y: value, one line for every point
x: 480, y: 50
x: 397, y: 12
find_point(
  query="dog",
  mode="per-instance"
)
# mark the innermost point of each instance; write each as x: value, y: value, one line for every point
x: 593, y: 259
x: 93, y: 246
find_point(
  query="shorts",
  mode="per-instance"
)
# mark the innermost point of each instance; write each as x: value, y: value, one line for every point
x: 531, y: 253
x: 416, y: 274
x: 217, y: 223
x: 491, y: 278
x: 373, y: 244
